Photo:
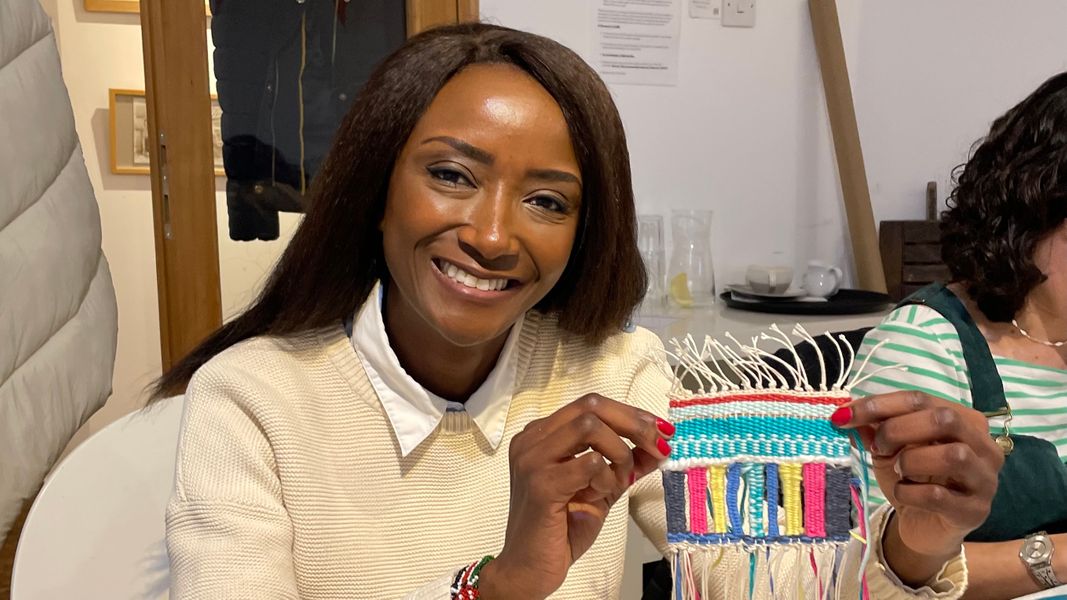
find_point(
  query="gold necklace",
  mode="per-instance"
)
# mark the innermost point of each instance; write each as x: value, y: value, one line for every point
x: 1026, y: 335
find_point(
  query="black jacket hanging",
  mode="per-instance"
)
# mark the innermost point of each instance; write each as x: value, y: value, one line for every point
x: 286, y: 72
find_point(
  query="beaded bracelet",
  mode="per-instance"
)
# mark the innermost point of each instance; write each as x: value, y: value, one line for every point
x: 465, y: 584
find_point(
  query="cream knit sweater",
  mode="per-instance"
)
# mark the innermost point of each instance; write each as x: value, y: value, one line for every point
x: 289, y: 481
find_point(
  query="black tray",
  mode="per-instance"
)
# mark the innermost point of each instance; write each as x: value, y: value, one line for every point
x: 844, y: 302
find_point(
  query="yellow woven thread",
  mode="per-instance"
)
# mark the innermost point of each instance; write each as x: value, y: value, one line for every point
x: 794, y: 510
x: 717, y: 485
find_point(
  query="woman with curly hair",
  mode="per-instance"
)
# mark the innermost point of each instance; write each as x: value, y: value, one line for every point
x: 995, y: 339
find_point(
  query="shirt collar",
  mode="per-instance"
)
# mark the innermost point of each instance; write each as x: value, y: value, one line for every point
x: 413, y: 411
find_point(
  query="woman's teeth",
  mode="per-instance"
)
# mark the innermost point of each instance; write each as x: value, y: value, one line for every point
x: 460, y: 276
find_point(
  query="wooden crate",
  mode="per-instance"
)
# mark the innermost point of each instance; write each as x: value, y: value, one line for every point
x: 911, y: 256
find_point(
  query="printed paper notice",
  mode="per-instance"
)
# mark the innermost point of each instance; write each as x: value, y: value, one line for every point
x: 637, y: 41
x: 705, y: 9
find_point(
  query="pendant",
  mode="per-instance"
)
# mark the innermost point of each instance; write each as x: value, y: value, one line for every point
x: 1006, y: 443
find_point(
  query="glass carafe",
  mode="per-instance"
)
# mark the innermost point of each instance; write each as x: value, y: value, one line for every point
x: 650, y: 243
x: 691, y: 278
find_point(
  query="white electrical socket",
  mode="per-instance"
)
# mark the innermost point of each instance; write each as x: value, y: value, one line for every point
x: 738, y: 13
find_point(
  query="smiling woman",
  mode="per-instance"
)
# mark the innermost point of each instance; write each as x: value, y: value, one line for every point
x: 437, y: 369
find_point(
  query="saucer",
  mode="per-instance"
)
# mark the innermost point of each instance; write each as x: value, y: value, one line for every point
x: 746, y: 290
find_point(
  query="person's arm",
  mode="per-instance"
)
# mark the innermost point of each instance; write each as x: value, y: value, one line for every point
x: 937, y: 465
x: 918, y: 338
x: 228, y: 533
x: 998, y: 573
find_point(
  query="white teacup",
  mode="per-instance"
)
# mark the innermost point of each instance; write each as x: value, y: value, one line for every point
x: 769, y: 280
x: 822, y: 280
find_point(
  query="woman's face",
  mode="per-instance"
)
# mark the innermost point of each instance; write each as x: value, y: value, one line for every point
x: 482, y: 207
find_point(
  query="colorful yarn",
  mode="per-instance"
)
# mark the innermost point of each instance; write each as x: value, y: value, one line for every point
x: 772, y: 499
x: 717, y: 483
x: 754, y: 482
x: 794, y: 511
x: 748, y: 456
x: 733, y: 485
x: 815, y: 500
x: 698, y: 491
x: 674, y: 492
x: 838, y: 501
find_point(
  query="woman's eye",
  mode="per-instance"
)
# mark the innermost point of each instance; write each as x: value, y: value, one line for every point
x: 449, y: 176
x: 548, y: 203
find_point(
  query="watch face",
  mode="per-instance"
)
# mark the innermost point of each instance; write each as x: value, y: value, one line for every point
x: 1037, y: 550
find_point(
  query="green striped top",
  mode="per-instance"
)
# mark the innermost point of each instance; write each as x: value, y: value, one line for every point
x: 919, y: 338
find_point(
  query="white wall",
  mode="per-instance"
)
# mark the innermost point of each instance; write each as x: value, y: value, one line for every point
x: 745, y: 132
x: 932, y: 76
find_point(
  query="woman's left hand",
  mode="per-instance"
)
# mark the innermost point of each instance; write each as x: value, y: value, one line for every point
x: 934, y: 460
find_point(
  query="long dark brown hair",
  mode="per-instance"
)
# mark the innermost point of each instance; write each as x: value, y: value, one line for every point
x: 1009, y: 196
x: 335, y: 256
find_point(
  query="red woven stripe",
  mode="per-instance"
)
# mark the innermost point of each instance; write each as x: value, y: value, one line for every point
x: 822, y: 400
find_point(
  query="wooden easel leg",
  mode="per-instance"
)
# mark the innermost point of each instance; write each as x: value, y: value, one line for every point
x: 862, y: 231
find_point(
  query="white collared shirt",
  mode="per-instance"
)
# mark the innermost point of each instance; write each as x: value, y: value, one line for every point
x: 414, y: 411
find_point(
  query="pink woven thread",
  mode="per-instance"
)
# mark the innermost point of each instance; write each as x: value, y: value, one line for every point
x: 698, y: 500
x: 815, y: 500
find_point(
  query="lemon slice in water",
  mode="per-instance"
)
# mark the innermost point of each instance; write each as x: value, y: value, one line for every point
x: 679, y: 290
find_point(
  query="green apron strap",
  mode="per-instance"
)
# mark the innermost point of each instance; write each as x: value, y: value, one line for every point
x: 1033, y: 480
x: 987, y: 390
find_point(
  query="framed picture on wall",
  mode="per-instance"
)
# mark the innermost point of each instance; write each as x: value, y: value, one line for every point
x: 129, y: 142
x: 122, y: 6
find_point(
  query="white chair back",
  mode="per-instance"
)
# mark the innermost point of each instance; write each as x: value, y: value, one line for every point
x: 97, y: 527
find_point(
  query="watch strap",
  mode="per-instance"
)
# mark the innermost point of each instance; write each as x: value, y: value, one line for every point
x: 1045, y: 576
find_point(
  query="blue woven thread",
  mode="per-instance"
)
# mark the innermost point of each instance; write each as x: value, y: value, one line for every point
x: 839, y: 554
x: 712, y: 539
x: 678, y: 577
x: 774, y: 448
x: 754, y: 483
x: 733, y: 484
x: 772, y: 500
x: 838, y: 501
x: 674, y: 490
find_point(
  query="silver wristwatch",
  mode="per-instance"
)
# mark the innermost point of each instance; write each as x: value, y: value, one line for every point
x: 1036, y: 554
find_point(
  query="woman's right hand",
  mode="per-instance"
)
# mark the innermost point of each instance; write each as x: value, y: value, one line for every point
x: 567, y: 471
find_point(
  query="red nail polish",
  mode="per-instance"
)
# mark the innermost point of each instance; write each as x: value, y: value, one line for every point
x: 664, y: 427
x: 633, y: 477
x: 841, y: 416
x: 663, y: 447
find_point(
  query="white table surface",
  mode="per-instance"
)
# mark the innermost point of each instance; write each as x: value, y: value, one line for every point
x: 717, y: 320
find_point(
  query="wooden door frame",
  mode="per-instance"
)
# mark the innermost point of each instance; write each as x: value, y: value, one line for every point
x: 182, y: 175
x: 424, y: 14
x: 182, y: 169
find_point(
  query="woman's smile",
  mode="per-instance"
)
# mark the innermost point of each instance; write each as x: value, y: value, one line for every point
x: 473, y: 283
